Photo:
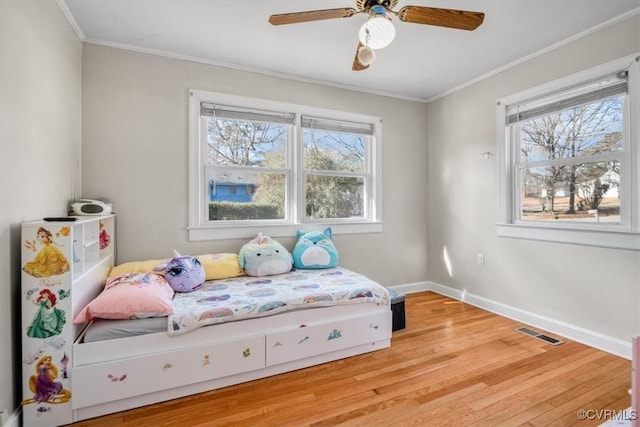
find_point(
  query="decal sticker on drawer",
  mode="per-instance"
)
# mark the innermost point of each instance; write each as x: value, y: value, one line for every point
x: 165, y: 370
x: 330, y: 336
x: 115, y: 378
x: 334, y: 335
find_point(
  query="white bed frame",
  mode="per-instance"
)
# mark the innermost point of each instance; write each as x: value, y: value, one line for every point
x: 114, y: 375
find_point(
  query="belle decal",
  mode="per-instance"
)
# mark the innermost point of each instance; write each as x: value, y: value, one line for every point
x: 50, y: 261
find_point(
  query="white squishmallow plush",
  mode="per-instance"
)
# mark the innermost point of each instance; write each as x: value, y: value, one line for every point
x: 263, y: 256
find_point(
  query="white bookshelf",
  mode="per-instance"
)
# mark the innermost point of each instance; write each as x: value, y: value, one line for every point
x: 57, y: 257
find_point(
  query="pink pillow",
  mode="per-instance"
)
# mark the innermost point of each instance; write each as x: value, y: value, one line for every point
x: 131, y: 296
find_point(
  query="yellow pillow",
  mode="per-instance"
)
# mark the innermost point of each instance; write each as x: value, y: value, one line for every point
x: 136, y: 267
x: 216, y: 266
x: 221, y: 266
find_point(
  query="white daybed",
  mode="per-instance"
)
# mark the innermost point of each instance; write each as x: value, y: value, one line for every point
x: 123, y: 373
x: 68, y: 379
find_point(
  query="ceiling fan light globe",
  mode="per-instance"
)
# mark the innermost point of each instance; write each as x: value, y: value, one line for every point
x: 377, y: 32
x: 366, y: 55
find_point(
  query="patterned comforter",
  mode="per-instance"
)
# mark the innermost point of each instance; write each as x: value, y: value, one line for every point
x: 227, y: 300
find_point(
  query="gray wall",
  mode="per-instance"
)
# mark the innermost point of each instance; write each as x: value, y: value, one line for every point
x: 592, y: 288
x: 135, y: 153
x: 40, y: 114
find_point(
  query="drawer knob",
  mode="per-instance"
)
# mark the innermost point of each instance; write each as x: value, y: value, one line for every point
x: 167, y: 366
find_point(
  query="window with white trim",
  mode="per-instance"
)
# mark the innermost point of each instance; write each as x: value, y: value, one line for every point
x: 270, y: 167
x: 568, y: 159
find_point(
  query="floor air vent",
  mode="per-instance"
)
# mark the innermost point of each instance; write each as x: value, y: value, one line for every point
x: 538, y: 335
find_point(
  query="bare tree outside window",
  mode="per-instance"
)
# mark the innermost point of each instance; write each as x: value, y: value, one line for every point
x: 568, y: 164
x: 567, y: 158
x: 253, y: 154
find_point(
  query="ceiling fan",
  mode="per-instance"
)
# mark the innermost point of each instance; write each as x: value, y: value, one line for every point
x: 378, y: 31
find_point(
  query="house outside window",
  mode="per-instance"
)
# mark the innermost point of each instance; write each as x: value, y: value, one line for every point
x: 264, y: 166
x: 568, y: 159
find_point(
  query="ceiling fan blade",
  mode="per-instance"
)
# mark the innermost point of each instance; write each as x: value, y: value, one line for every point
x: 357, y: 65
x: 312, y: 15
x: 459, y: 19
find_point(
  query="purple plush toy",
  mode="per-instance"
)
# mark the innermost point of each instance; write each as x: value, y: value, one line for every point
x: 184, y: 273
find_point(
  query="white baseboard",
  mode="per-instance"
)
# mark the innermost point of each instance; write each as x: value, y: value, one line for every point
x: 13, y: 419
x: 576, y: 333
x: 410, y: 288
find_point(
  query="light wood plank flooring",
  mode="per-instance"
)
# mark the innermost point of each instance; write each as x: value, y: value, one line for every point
x: 453, y: 365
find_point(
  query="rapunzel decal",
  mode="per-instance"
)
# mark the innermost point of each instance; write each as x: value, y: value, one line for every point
x: 48, y: 320
x: 49, y: 261
x: 43, y: 385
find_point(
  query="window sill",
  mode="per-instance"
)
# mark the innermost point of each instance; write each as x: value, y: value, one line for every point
x: 625, y: 240
x: 223, y: 232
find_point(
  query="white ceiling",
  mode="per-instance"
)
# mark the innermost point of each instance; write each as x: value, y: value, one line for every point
x: 423, y: 61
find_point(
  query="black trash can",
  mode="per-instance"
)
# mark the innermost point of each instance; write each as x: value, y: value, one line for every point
x: 397, y: 310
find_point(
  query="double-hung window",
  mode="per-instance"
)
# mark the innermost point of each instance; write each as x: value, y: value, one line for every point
x: 337, y: 181
x: 245, y: 163
x: 264, y: 166
x: 569, y: 158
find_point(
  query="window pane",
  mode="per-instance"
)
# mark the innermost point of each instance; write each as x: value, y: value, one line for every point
x: 333, y: 151
x: 245, y: 143
x: 586, y: 192
x: 585, y: 130
x: 246, y: 196
x: 334, y: 197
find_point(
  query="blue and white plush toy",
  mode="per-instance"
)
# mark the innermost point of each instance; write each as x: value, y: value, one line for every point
x: 315, y: 249
x: 263, y: 256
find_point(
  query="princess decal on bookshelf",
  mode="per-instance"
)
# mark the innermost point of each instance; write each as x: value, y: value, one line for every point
x: 49, y: 261
x: 43, y: 385
x: 105, y: 239
x: 48, y: 320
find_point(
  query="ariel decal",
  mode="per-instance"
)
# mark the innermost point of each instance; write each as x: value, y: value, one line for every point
x: 43, y: 385
x: 49, y: 261
x: 48, y: 320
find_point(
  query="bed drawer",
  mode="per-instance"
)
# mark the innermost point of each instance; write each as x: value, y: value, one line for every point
x: 336, y: 334
x: 104, y: 382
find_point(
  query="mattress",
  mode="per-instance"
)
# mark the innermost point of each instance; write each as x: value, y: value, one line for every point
x: 105, y: 329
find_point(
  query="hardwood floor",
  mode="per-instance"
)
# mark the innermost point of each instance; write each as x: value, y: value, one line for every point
x: 453, y: 365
